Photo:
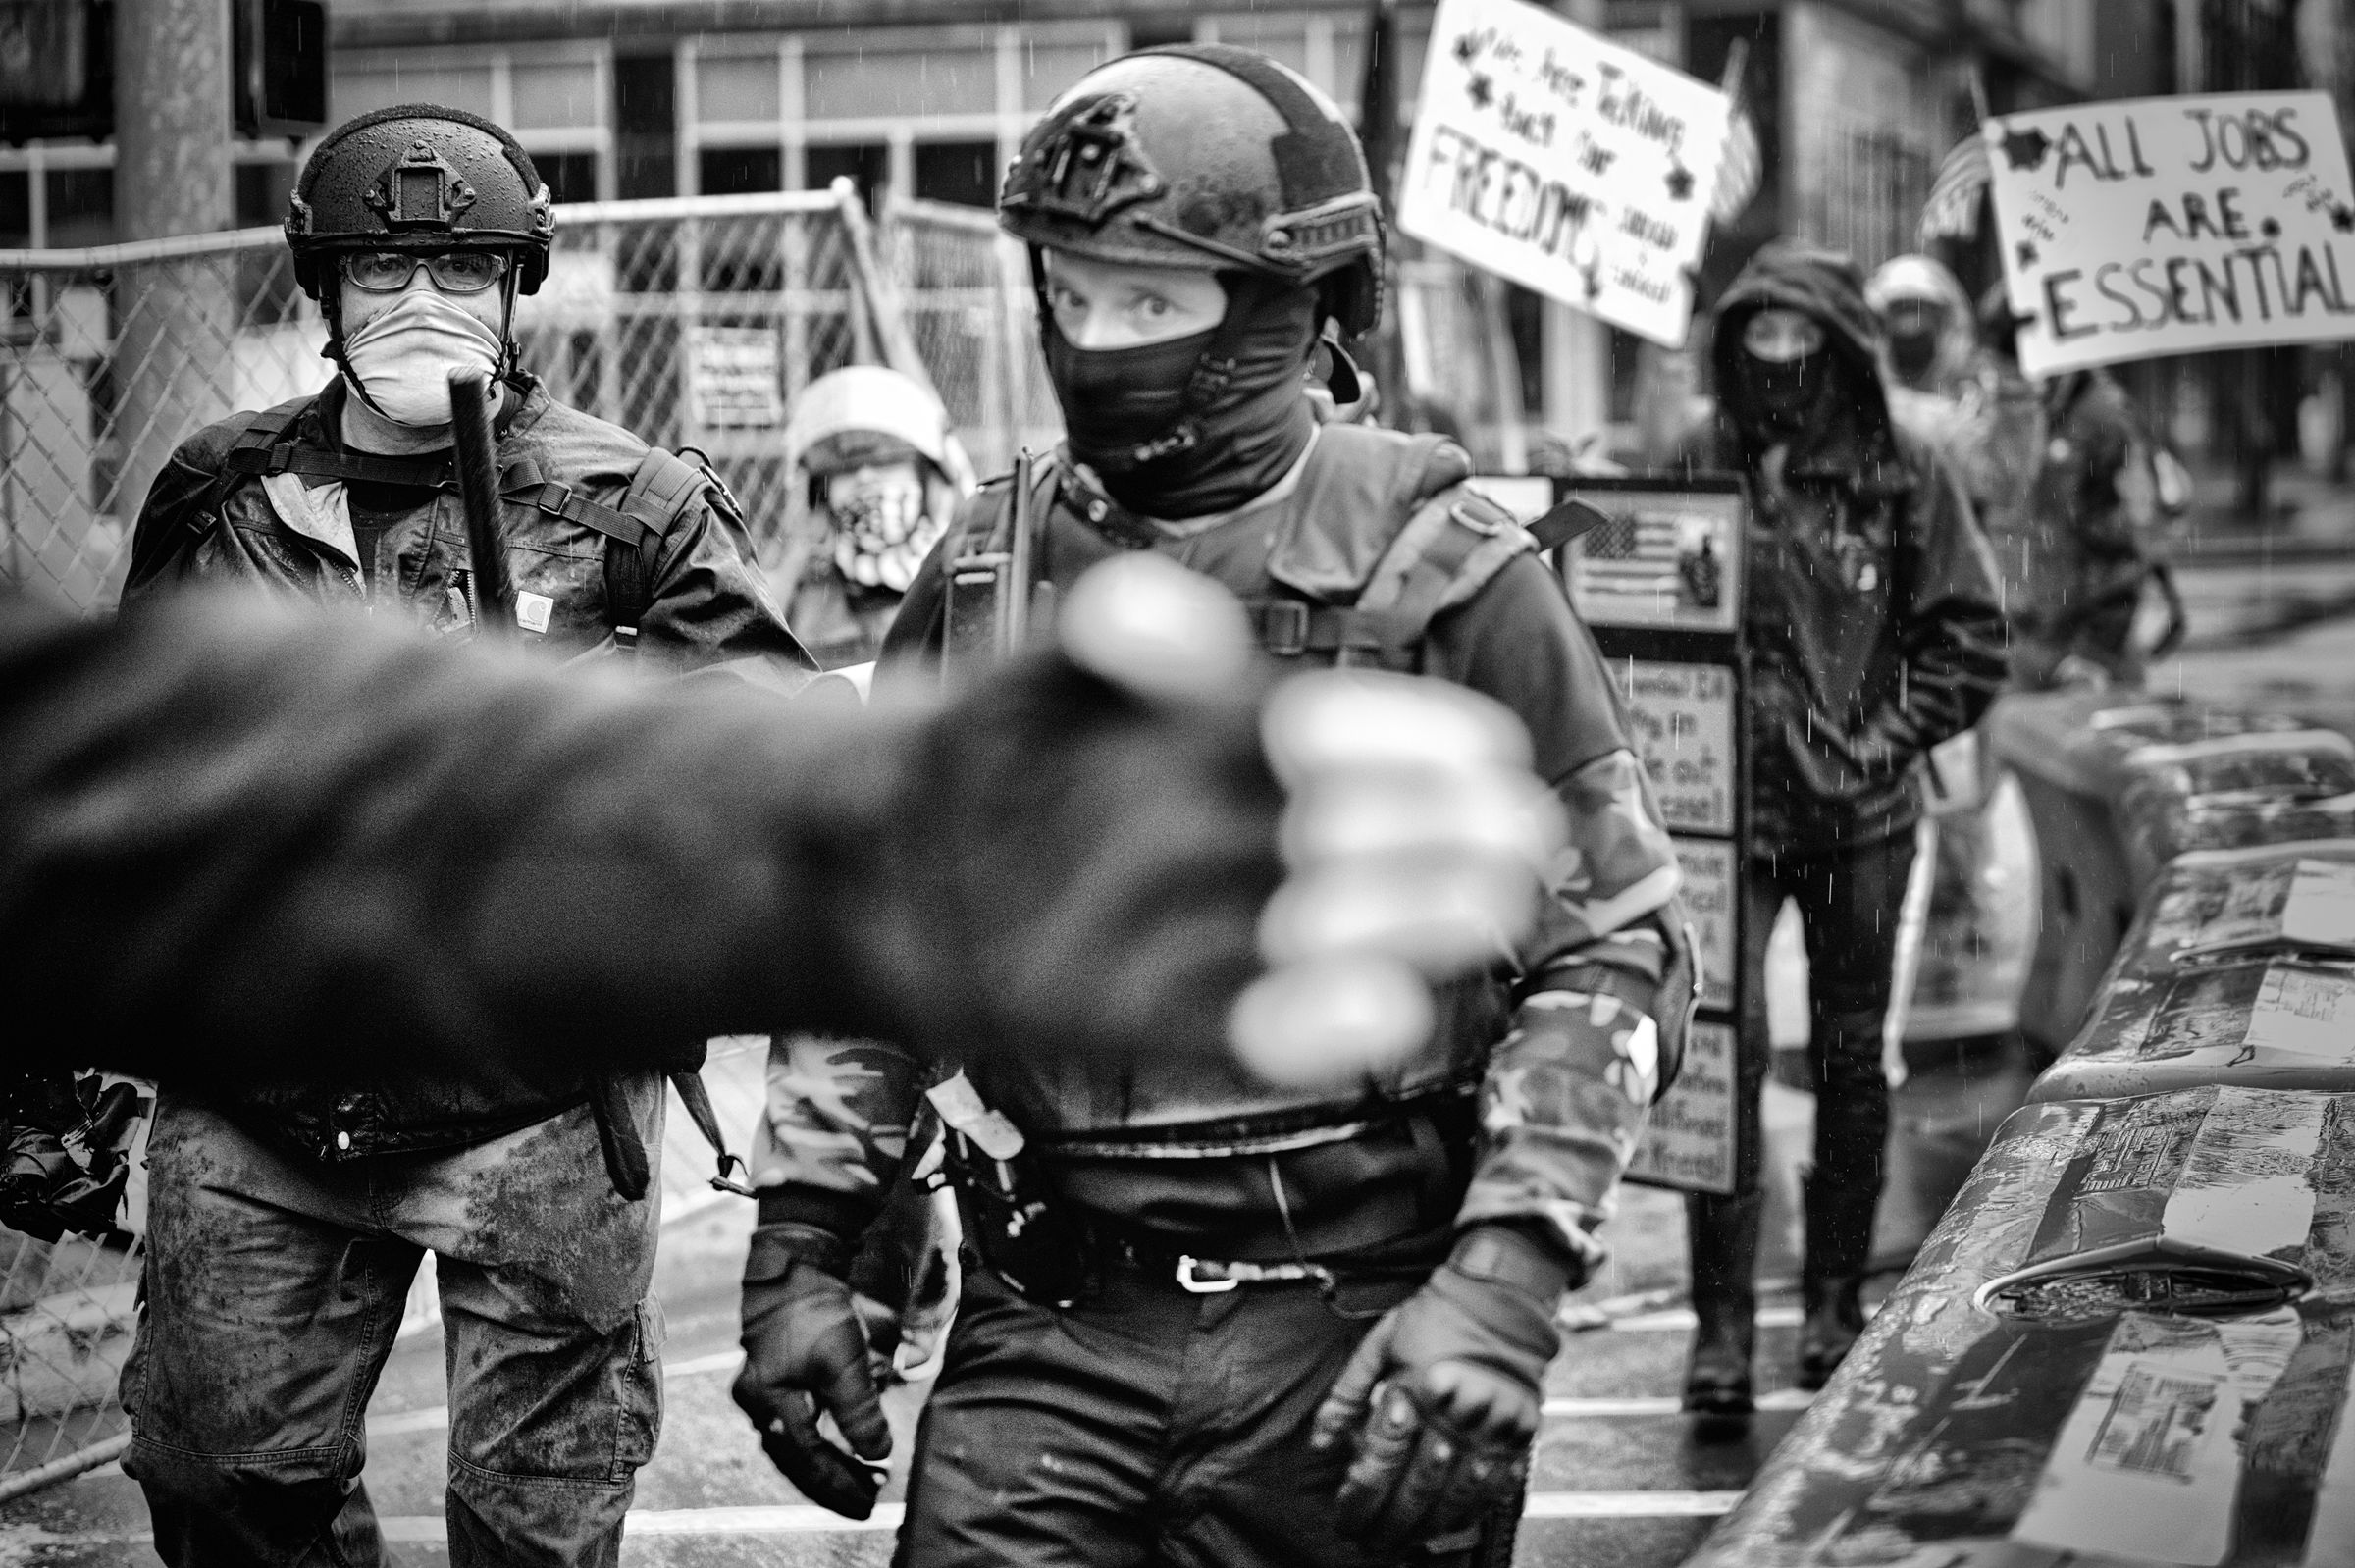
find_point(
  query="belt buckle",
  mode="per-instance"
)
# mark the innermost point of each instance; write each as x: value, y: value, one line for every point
x: 1193, y: 1284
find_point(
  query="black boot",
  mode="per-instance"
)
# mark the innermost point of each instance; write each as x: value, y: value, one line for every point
x: 1722, y: 1237
x: 1838, y: 1245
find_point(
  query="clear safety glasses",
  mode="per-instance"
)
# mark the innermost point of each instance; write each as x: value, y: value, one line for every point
x: 454, y: 271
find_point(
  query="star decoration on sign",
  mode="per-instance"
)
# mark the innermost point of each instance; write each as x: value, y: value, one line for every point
x: 1466, y: 50
x: 2025, y: 149
x: 2271, y: 229
x: 1680, y: 183
x: 2343, y: 219
x: 1479, y: 91
x: 2026, y: 254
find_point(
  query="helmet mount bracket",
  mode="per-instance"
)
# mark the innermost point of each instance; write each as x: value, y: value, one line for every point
x: 419, y: 190
x: 1093, y: 168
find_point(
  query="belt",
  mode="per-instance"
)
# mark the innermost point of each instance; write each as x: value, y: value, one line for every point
x: 1153, y: 1260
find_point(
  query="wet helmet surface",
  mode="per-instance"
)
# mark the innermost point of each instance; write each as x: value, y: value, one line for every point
x: 1204, y: 156
x: 420, y: 176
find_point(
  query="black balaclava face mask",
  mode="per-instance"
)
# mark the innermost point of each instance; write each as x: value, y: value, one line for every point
x: 1124, y: 408
x: 1913, y: 352
x: 1779, y: 399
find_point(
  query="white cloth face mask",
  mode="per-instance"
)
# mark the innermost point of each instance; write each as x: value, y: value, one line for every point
x: 401, y: 362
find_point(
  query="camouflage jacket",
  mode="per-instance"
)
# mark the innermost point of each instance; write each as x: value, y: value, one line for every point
x: 1502, y: 1117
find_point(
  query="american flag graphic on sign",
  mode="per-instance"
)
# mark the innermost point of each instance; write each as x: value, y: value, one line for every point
x: 1633, y: 552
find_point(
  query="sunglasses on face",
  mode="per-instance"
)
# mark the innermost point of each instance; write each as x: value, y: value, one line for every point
x: 456, y: 272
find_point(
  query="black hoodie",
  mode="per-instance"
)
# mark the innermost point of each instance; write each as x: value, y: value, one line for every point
x: 1872, y: 611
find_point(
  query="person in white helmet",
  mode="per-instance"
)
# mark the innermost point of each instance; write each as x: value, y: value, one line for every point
x: 885, y: 476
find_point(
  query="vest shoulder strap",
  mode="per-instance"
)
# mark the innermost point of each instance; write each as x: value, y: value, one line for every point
x: 659, y: 492
x: 1452, y: 547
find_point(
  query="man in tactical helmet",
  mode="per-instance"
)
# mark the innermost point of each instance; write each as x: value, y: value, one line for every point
x: 287, y: 1220
x: 1214, y: 1317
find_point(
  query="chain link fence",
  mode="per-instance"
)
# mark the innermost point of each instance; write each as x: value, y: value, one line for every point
x: 693, y: 322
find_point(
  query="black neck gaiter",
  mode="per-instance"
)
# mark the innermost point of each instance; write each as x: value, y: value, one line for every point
x: 1127, y: 414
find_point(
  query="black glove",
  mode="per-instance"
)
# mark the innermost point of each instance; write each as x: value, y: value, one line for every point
x: 1444, y: 1397
x: 804, y: 1353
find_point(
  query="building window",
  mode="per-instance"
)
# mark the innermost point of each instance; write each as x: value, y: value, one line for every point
x: 892, y: 84
x: 81, y: 206
x: 739, y: 171
x: 736, y: 88
x: 962, y: 172
x: 16, y: 208
x: 570, y: 175
x: 867, y: 163
x: 646, y: 143
x: 554, y: 96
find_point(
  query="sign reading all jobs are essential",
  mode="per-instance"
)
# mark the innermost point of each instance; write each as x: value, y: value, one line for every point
x: 1558, y: 159
x: 2168, y: 225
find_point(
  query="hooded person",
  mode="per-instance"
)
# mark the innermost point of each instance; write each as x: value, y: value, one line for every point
x: 884, y: 477
x: 1875, y: 633
x: 1927, y: 321
x: 417, y: 228
x: 1373, y: 1265
x: 1931, y: 338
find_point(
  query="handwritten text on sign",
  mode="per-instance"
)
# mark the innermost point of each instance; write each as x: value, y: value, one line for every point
x: 1562, y: 161
x: 1682, y: 718
x: 2168, y: 225
x: 1689, y: 1142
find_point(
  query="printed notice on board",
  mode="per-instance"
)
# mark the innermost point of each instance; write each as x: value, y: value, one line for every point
x: 1561, y: 160
x: 1689, y: 1142
x: 1683, y: 717
x: 734, y: 378
x: 2171, y: 225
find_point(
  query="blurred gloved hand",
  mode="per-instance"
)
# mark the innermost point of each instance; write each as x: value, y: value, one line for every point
x: 1442, y: 1399
x: 1108, y: 845
x: 805, y: 1355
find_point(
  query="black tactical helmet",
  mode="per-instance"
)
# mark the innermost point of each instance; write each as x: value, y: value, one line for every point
x: 419, y: 177
x: 1207, y: 156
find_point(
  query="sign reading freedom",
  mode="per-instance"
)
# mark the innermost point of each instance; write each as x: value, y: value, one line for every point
x: 2171, y: 225
x: 1564, y: 162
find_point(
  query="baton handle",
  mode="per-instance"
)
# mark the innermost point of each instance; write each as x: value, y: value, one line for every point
x: 478, y: 487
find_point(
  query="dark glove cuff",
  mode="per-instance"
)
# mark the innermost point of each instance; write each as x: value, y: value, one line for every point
x: 776, y: 1248
x: 1511, y: 1256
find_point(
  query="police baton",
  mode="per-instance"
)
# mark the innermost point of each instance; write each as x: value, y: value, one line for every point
x: 478, y: 487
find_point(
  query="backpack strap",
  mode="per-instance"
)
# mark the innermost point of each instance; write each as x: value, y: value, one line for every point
x: 248, y: 456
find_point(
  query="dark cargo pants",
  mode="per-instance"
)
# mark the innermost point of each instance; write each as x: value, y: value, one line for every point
x: 273, y: 1296
x: 1145, y: 1426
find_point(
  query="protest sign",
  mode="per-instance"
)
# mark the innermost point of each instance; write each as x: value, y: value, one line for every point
x: 1553, y: 157
x: 2171, y: 225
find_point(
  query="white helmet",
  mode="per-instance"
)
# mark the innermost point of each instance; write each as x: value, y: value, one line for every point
x: 865, y: 400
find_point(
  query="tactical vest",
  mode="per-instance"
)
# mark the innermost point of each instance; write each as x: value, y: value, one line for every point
x: 1377, y: 538
x: 634, y: 532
